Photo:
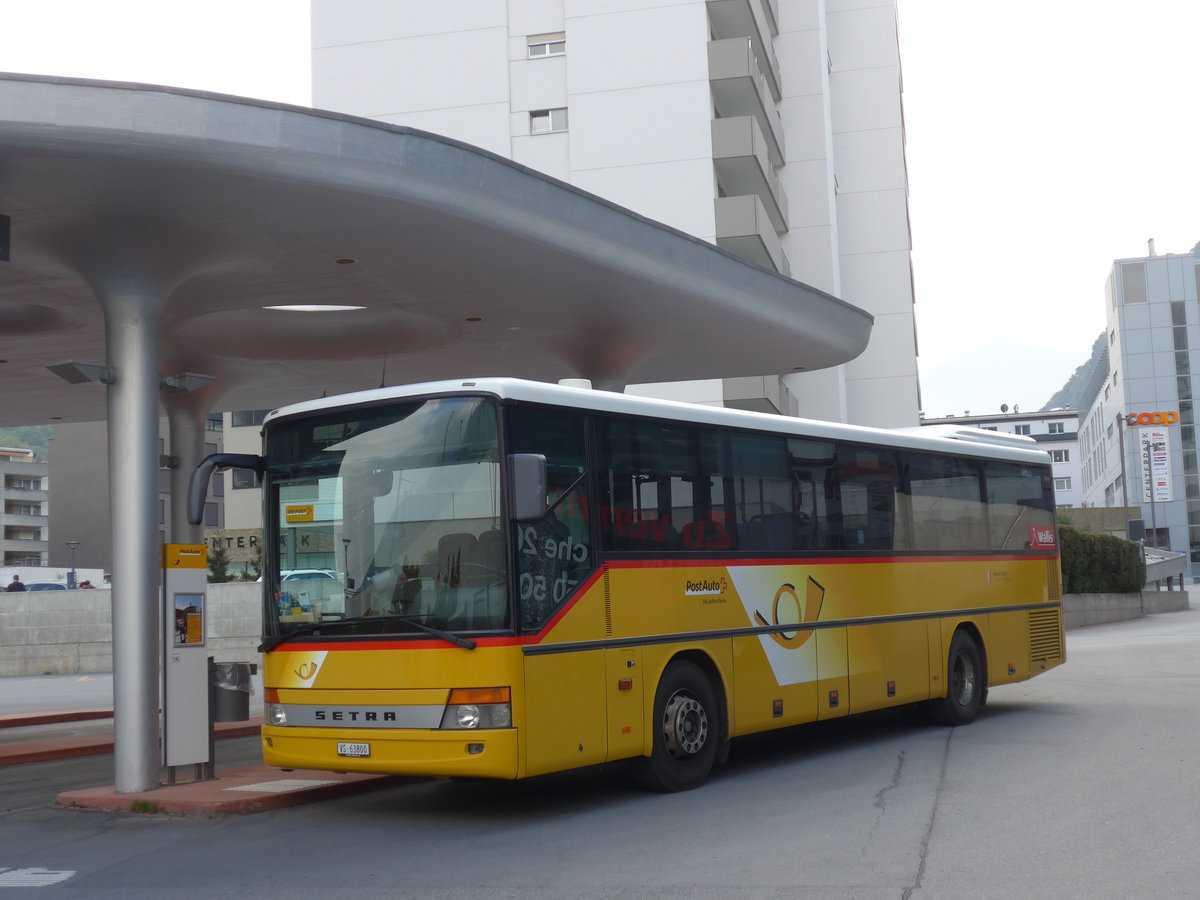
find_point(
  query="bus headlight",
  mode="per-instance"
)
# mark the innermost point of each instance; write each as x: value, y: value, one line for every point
x: 478, y: 708
x: 274, y: 714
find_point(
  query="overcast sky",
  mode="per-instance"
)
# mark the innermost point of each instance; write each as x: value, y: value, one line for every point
x: 1046, y: 138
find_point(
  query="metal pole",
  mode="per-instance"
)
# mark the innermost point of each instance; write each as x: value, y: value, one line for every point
x: 1147, y: 448
x: 186, y: 413
x: 132, y: 328
x: 73, y: 581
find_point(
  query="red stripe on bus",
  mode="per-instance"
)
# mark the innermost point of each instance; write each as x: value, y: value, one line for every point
x: 532, y: 639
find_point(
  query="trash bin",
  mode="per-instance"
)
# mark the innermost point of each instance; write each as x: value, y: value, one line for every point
x: 231, y: 691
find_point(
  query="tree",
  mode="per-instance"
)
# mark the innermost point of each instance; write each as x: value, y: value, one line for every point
x: 218, y: 565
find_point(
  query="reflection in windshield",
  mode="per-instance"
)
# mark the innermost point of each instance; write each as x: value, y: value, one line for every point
x: 401, y: 505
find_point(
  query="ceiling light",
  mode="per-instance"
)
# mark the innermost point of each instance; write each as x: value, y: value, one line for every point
x: 315, y: 307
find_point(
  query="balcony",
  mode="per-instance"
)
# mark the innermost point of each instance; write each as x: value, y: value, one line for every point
x: 739, y: 88
x: 766, y: 394
x: 743, y: 165
x: 29, y: 520
x: 756, y: 19
x: 745, y: 230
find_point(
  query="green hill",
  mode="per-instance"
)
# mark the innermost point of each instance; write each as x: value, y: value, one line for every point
x: 29, y: 437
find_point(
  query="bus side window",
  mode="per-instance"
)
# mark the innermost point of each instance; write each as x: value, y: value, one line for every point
x: 867, y: 486
x: 813, y: 469
x: 554, y: 553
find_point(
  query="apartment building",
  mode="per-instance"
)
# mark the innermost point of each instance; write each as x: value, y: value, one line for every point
x: 772, y: 129
x: 24, y: 512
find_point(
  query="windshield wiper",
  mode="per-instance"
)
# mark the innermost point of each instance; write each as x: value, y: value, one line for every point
x: 316, y: 627
x: 456, y: 640
x: 273, y: 642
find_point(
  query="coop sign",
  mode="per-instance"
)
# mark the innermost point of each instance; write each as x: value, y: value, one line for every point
x: 1151, y: 418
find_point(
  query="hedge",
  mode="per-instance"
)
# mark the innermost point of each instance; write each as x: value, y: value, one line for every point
x: 1099, y: 563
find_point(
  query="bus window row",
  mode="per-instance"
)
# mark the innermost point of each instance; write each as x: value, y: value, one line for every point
x: 667, y: 486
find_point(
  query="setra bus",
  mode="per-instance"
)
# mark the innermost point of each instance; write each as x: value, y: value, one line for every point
x: 529, y: 577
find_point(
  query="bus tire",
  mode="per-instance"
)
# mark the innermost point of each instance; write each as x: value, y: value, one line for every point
x: 687, y: 731
x: 965, y: 683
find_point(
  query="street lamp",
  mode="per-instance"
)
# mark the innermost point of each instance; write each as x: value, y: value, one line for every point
x: 72, y: 580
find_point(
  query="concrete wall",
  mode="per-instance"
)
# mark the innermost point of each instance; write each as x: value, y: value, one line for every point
x: 69, y: 632
x: 1080, y: 610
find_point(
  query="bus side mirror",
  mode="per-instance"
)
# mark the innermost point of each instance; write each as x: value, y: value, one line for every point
x: 198, y: 486
x: 527, y: 473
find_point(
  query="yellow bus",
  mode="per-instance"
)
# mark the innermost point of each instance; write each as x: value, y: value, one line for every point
x: 512, y: 578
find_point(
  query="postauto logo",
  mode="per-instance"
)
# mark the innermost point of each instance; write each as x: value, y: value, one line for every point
x: 1151, y: 418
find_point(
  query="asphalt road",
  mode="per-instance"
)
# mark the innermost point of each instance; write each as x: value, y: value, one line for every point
x: 1084, y: 782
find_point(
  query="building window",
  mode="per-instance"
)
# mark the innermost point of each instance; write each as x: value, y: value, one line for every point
x: 1060, y: 456
x: 546, y: 121
x: 1133, y: 282
x: 1062, y: 484
x: 541, y: 45
x: 244, y: 418
x: 1057, y: 428
x: 1021, y: 429
x: 244, y: 479
x: 990, y: 428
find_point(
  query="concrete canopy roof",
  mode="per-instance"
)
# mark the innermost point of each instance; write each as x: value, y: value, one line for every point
x: 465, y: 264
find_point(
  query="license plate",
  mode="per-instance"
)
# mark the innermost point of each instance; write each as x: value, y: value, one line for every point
x: 346, y: 748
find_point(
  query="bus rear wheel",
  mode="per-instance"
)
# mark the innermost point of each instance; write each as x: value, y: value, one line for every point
x: 965, y: 683
x: 686, y: 731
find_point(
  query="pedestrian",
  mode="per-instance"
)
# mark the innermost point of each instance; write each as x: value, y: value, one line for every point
x: 15, y: 584
x: 86, y: 585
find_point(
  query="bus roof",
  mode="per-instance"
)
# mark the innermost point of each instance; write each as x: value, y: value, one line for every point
x: 945, y: 439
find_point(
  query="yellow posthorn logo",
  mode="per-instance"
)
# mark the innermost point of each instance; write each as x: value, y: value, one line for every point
x: 307, y: 670
x: 301, y: 668
x: 793, y: 613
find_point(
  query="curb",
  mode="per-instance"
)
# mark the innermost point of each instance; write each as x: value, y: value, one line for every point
x: 97, y: 744
x: 21, y: 720
x: 233, y: 792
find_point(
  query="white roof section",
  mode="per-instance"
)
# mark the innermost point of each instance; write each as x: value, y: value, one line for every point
x: 962, y: 441
x: 458, y: 260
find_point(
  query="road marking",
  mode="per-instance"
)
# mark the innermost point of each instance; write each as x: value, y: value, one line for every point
x: 282, y: 785
x: 33, y: 877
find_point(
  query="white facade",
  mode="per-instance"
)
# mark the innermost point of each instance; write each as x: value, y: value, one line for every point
x: 1056, y: 431
x: 1153, y: 376
x: 772, y: 129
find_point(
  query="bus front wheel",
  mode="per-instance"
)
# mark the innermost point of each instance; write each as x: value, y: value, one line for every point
x: 965, y: 683
x: 686, y: 731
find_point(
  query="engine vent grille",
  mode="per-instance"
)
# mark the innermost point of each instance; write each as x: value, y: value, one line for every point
x: 1045, y: 634
x: 607, y: 605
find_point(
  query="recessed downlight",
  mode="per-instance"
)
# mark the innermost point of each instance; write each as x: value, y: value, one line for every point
x: 315, y: 307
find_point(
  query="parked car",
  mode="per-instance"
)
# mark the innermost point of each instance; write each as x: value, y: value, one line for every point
x: 45, y: 586
x: 307, y: 574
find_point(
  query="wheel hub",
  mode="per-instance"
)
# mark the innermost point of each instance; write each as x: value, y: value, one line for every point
x: 685, y: 725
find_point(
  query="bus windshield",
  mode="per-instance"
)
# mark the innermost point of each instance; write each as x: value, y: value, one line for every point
x: 388, y: 517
